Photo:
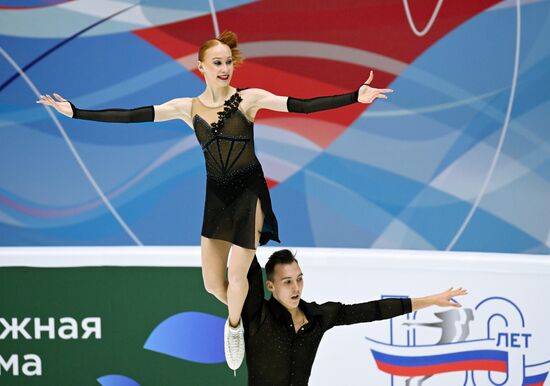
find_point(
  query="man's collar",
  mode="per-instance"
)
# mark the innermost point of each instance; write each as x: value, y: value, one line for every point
x: 277, y: 308
x: 310, y: 309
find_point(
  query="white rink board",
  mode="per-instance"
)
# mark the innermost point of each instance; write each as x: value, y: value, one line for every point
x: 508, y: 296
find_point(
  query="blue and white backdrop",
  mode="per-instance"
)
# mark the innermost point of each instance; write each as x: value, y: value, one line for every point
x: 457, y: 159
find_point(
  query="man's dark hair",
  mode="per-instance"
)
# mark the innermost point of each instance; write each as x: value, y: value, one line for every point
x: 284, y: 256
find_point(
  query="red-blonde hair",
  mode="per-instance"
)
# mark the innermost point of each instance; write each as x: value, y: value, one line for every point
x: 229, y: 38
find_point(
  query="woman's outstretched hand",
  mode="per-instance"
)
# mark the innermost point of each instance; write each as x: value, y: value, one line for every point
x: 368, y: 94
x: 61, y: 104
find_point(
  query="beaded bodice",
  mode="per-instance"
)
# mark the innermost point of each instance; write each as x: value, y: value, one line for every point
x: 227, y: 141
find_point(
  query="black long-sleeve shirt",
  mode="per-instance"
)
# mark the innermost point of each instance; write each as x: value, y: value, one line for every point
x: 276, y: 354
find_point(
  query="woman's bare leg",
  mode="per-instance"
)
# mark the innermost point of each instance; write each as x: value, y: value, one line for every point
x: 239, y: 264
x: 214, y: 254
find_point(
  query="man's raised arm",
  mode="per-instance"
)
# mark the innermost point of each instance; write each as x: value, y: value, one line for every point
x: 255, y: 296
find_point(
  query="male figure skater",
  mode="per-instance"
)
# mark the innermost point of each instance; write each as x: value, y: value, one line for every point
x: 282, y: 334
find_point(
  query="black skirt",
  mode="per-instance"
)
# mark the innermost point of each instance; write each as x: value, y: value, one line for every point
x: 230, y: 208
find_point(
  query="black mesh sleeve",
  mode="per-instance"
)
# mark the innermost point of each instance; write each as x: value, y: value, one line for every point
x: 306, y: 106
x: 140, y: 114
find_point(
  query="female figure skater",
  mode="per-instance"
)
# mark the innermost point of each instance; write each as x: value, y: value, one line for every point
x: 237, y: 214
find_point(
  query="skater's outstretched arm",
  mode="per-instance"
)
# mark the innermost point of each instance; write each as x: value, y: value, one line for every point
x: 342, y: 314
x: 178, y: 108
x: 262, y: 99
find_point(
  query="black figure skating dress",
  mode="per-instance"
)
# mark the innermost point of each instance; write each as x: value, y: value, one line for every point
x: 235, y: 180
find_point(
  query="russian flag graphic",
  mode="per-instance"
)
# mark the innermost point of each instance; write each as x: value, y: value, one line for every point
x: 405, y: 365
x: 535, y: 380
x: 423, y: 360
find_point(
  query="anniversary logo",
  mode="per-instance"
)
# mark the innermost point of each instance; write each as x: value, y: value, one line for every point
x: 486, y: 345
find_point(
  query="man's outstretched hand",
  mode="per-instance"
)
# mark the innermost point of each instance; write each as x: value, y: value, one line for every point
x: 443, y: 299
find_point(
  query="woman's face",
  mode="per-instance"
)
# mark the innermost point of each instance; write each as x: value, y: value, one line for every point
x: 217, y: 65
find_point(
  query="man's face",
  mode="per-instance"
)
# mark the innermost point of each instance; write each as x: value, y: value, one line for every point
x: 287, y: 284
